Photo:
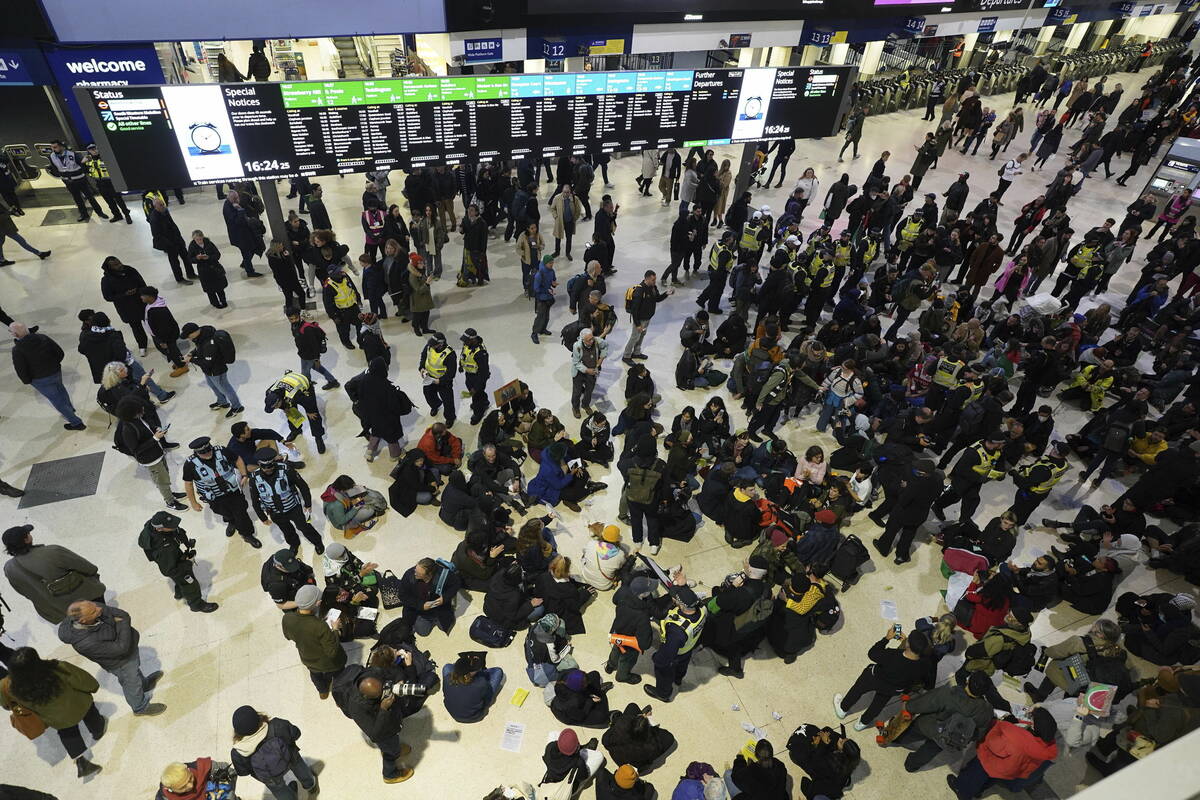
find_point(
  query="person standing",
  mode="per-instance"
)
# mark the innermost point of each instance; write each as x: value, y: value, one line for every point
x: 241, y: 233
x: 293, y: 394
x: 316, y: 639
x: 937, y: 96
x: 644, y: 490
x: 168, y: 547
x: 641, y: 305
x: 783, y: 149
x: 566, y: 211
x: 218, y: 476
x: 854, y: 129
x: 60, y: 693
x: 311, y: 342
x: 202, y: 253
x: 974, y: 468
x: 163, y: 328
x: 316, y: 209
x: 119, y: 285
x: 37, y: 360
x: 605, y: 225
x: 475, y: 238
x: 379, y: 405
x: 1035, y: 481
x: 679, y: 633
x: 281, y: 496
x: 98, y: 171
x: 342, y: 302
x: 360, y: 695
x: 1008, y: 174
x: 146, y: 442
x: 165, y: 236
x: 438, y: 365
x: 213, y: 352
x: 544, y: 282
x: 587, y: 358
x: 8, y: 230
x: 893, y: 670
x: 49, y: 576
x: 265, y: 748
x: 70, y: 167
x: 105, y: 635
x: 632, y: 630
x: 476, y: 367
x: 916, y: 494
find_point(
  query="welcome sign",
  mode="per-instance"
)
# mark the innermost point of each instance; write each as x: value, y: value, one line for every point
x: 100, y: 65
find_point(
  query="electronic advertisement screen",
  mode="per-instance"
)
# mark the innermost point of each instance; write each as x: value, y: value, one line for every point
x: 180, y: 135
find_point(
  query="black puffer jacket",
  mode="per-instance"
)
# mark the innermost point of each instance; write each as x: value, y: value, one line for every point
x: 100, y: 346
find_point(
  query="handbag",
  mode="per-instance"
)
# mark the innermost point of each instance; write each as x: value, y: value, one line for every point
x: 24, y: 720
x: 560, y: 790
x: 389, y: 590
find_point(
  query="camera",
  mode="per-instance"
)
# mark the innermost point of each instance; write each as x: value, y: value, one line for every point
x: 404, y: 689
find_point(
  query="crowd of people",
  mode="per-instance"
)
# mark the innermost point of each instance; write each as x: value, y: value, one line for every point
x: 924, y: 417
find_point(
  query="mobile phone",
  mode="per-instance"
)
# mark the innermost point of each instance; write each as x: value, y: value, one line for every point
x: 897, y: 629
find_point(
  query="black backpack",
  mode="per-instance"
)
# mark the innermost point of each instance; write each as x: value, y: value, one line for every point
x: 570, y: 334
x: 224, y: 344
x: 119, y: 442
x: 850, y: 555
x: 1105, y: 669
x: 1017, y: 661
x: 272, y: 759
x: 957, y: 732
x: 826, y: 613
x: 490, y: 634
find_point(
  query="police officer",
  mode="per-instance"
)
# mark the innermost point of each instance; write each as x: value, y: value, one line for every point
x: 753, y: 239
x: 342, y: 302
x: 69, y: 166
x: 278, y: 492
x: 820, y: 282
x: 438, y: 366
x: 167, y: 545
x: 720, y: 261
x: 917, y: 491
x: 680, y: 631
x: 282, y: 576
x: 476, y: 371
x: 1035, y: 481
x: 98, y: 171
x: 945, y: 377
x: 218, y: 475
x: 975, y: 467
x: 294, y: 394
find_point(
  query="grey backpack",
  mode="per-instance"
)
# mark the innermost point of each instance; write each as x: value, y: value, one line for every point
x: 956, y: 732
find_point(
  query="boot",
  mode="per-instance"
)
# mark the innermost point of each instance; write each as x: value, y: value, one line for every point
x: 85, y: 768
x: 320, y: 445
x: 10, y: 490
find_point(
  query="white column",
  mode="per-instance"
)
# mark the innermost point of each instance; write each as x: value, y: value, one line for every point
x: 809, y: 56
x: 779, y: 57
x: 870, y: 59
x: 1075, y: 35
x: 837, y: 55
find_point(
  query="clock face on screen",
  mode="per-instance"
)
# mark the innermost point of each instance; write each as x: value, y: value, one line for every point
x: 753, y: 108
x: 206, y: 137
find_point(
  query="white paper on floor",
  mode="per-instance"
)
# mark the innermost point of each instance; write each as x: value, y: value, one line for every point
x: 514, y: 734
x: 887, y: 610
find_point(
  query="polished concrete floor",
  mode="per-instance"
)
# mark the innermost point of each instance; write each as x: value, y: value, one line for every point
x: 215, y: 663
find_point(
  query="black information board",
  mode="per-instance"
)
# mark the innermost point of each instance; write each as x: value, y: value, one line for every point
x: 181, y: 135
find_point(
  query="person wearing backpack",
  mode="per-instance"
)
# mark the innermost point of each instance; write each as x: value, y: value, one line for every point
x: 738, y: 613
x: 544, y: 282
x: 1103, y: 659
x: 950, y: 718
x: 641, y: 302
x: 892, y: 671
x: 265, y: 748
x: 311, y: 342
x: 644, y: 488
x: 214, y: 353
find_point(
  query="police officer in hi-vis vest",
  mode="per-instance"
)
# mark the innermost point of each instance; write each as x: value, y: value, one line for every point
x: 98, y: 171
x: 476, y: 371
x: 217, y: 476
x: 438, y: 365
x: 294, y: 394
x: 680, y: 633
x: 1035, y: 481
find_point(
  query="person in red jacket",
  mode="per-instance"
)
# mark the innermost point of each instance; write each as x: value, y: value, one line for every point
x: 990, y: 598
x: 443, y: 450
x: 1011, y: 752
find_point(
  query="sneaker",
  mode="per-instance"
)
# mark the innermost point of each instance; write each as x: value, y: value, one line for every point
x: 184, y: 282
x: 175, y: 373
x: 404, y: 775
x: 642, y: 356
x: 217, y: 405
x: 74, y: 426
x: 83, y: 767
x: 233, y: 412
x: 731, y: 672
x: 151, y: 681
x: 370, y: 455
x: 151, y: 710
x: 861, y: 725
x: 6, y: 263
x: 175, y: 505
x: 837, y: 707
x: 534, y: 338
x: 165, y: 398
x: 653, y: 549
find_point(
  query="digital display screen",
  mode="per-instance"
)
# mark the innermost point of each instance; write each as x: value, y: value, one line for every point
x: 167, y: 136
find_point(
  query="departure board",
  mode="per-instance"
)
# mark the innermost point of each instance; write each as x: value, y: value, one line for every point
x: 189, y: 134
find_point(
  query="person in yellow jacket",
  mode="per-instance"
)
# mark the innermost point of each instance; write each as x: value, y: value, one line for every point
x: 975, y: 467
x: 294, y: 395
x: 1093, y: 381
x: 791, y: 628
x: 97, y: 170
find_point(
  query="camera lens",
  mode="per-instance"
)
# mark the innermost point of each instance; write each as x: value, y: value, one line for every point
x: 412, y: 690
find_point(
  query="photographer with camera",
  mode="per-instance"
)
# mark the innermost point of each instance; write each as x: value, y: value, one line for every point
x: 406, y: 665
x: 167, y: 545
x: 366, y: 696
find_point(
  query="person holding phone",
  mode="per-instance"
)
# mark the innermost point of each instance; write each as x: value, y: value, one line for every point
x: 893, y: 670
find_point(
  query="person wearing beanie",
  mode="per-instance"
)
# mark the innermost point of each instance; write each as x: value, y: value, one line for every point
x: 265, y: 748
x: 624, y: 784
x: 644, y: 489
x: 469, y: 686
x: 984, y: 654
x: 700, y: 782
x: 933, y: 710
x: 893, y: 670
x: 581, y: 698
x: 548, y: 651
x: 739, y: 609
x: 793, y: 627
x: 318, y: 644
x: 632, y: 631
x: 633, y: 739
x: 1158, y: 627
x: 564, y: 755
x: 603, y: 559
x: 763, y: 777
x: 781, y: 560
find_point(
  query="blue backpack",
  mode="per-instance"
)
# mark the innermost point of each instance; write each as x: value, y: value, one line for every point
x: 489, y: 633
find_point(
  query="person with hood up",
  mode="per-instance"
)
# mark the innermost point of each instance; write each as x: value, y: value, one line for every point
x: 580, y: 698
x: 700, y: 782
x: 632, y: 631
x: 634, y: 738
x: 412, y: 484
x: 119, y: 285
x: 266, y: 749
x: 380, y: 404
x: 548, y: 651
x: 507, y: 603
x: 163, y: 328
x: 562, y: 480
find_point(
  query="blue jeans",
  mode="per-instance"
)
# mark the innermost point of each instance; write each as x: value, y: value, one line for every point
x: 133, y: 683
x: 223, y: 389
x: 136, y: 371
x: 307, y: 365
x: 833, y: 403
x: 303, y: 773
x: 53, y: 390
x: 19, y: 239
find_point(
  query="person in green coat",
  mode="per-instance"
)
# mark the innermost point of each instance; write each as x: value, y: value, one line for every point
x: 420, y: 298
x: 61, y: 695
x: 167, y: 545
x: 316, y: 641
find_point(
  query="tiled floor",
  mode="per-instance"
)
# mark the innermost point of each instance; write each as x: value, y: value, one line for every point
x: 214, y: 663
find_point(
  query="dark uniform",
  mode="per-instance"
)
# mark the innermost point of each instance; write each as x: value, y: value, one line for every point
x: 167, y: 545
x: 975, y: 468
x: 217, y: 481
x: 283, y: 575
x: 922, y: 486
x: 680, y: 631
x: 278, y: 491
x: 1035, y: 481
x: 476, y: 371
x: 294, y: 394
x: 439, y: 367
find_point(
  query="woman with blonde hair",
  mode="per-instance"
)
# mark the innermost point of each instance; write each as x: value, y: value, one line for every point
x: 1098, y: 652
x: 724, y: 180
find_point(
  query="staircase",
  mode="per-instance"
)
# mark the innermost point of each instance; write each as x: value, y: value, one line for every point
x: 352, y: 65
x: 382, y: 48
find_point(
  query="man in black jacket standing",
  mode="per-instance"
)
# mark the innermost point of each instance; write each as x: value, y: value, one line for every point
x: 360, y: 694
x: 241, y: 233
x: 166, y: 237
x: 310, y: 344
x: 641, y: 307
x: 281, y: 496
x: 119, y: 286
x: 605, y: 227
x: 956, y: 199
x: 475, y: 238
x: 213, y: 354
x: 37, y: 360
x: 918, y: 490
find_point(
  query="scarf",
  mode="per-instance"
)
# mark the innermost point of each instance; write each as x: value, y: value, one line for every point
x: 248, y: 744
x: 331, y: 567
